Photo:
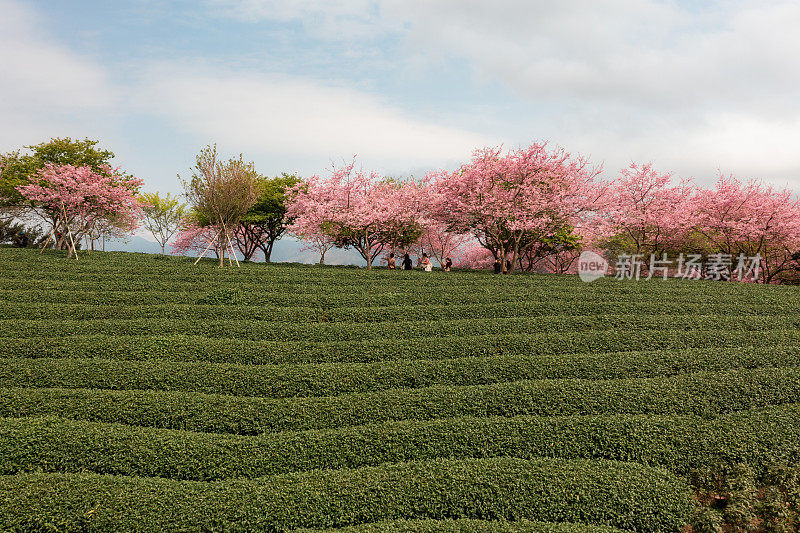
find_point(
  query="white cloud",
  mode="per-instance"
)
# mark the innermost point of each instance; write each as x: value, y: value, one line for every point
x: 46, y: 89
x: 771, y: 146
x: 648, y: 52
x: 693, y: 87
x: 298, y: 117
x: 698, y: 86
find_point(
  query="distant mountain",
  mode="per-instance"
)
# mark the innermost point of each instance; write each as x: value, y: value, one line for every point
x: 133, y: 244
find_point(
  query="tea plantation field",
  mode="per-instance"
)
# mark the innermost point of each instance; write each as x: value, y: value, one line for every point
x: 145, y: 393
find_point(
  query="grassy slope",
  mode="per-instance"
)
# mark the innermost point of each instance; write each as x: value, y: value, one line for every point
x: 138, y: 389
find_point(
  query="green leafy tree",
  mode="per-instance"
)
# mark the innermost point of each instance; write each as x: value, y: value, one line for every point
x: 19, y: 168
x: 22, y: 167
x: 163, y: 216
x: 221, y: 192
x: 265, y: 222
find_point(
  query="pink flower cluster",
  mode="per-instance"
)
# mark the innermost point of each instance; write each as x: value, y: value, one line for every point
x: 543, y: 205
x: 85, y: 199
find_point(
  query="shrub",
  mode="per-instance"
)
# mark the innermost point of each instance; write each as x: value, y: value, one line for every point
x: 679, y: 443
x: 510, y: 489
x: 704, y: 394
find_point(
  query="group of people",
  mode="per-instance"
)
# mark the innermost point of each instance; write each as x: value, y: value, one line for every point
x: 498, y: 267
x: 424, y: 263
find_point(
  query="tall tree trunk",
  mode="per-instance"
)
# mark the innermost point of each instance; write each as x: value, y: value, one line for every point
x: 268, y: 250
x: 366, y: 251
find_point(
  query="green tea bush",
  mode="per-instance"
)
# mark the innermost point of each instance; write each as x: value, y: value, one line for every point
x: 704, y: 394
x: 228, y: 296
x: 548, y: 490
x: 679, y: 443
x: 142, y: 393
x: 336, y: 332
x: 467, y: 526
x: 229, y: 350
x: 330, y: 379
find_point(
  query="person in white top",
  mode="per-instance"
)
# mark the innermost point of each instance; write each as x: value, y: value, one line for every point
x: 425, y: 263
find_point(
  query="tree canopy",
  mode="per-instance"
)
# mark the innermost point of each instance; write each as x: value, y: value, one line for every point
x: 221, y: 192
x: 162, y: 216
x: 265, y: 222
x: 19, y: 168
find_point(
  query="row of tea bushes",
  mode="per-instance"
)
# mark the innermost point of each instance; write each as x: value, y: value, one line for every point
x: 336, y: 332
x: 705, y: 394
x: 193, y: 348
x: 404, y: 313
x: 466, y: 525
x: 549, y: 490
x: 331, y: 379
x: 679, y: 443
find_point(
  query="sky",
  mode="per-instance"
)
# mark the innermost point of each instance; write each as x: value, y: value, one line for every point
x: 697, y: 88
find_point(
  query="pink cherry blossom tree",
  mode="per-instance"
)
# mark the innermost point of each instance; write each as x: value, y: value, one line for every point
x: 648, y: 213
x: 353, y: 209
x: 77, y: 201
x: 510, y: 202
x: 751, y: 218
x: 438, y: 241
x: 473, y: 255
x: 196, y: 238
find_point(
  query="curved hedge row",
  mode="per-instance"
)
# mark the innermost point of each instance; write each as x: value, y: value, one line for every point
x: 352, y: 286
x: 330, y: 379
x: 547, y: 490
x: 701, y: 393
x: 679, y: 443
x: 410, y: 283
x: 332, y: 331
x: 182, y: 271
x: 467, y: 526
x: 283, y: 274
x: 203, y: 349
x: 422, y: 294
x: 436, y: 312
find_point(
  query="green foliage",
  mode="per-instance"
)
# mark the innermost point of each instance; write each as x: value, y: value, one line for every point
x: 704, y: 394
x: 220, y: 191
x: 18, y: 168
x: 163, y: 216
x: 680, y: 443
x: 221, y: 297
x: 138, y: 393
x: 265, y: 222
x: 88, y: 371
x: 468, y: 526
x: 645, y: 499
x: 736, y: 497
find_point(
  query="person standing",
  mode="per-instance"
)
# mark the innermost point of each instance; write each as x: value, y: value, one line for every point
x: 408, y: 264
x: 448, y: 264
x: 390, y: 264
x: 498, y: 268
